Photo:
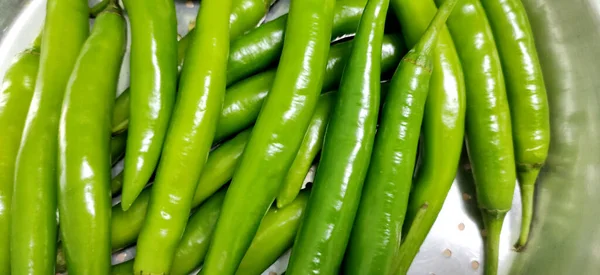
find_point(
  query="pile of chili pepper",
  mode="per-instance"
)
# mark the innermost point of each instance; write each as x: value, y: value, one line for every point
x: 219, y: 129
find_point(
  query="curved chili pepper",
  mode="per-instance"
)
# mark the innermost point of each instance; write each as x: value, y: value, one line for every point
x: 275, y: 235
x: 244, y: 99
x: 442, y: 131
x: 195, y: 239
x: 189, y: 138
x: 261, y: 47
x: 488, y: 126
x: 377, y: 231
x: 311, y: 145
x: 33, y: 218
x: 526, y: 97
x: 153, y: 87
x: 323, y: 235
x: 277, y: 134
x: 245, y: 15
x: 84, y: 199
x: 219, y: 167
x: 15, y: 96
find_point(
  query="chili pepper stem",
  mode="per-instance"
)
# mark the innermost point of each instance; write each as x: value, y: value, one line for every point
x: 409, y: 243
x: 527, y: 183
x: 493, y: 226
x: 429, y: 38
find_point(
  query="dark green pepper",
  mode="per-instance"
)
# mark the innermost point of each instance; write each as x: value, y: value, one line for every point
x: 322, y: 238
x: 442, y: 130
x: 277, y: 134
x: 488, y: 127
x: 310, y: 147
x: 526, y: 97
x: 244, y: 99
x: 377, y: 231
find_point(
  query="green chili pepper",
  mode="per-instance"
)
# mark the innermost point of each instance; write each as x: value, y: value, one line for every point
x: 323, y: 235
x: 442, y: 130
x: 275, y: 235
x: 377, y: 231
x: 219, y: 167
x: 526, y: 96
x: 195, y: 239
x: 488, y: 126
x: 277, y: 135
x: 120, y: 117
x: 311, y: 145
x: 153, y: 86
x: 15, y: 95
x: 261, y: 47
x: 84, y: 164
x: 245, y: 15
x: 255, y: 51
x: 244, y: 99
x: 33, y: 218
x: 189, y: 138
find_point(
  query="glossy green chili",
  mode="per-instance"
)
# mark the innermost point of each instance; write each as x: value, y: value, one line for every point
x: 15, y: 95
x: 192, y: 248
x: 245, y: 15
x: 526, y: 96
x: 322, y: 238
x: 219, y: 167
x: 244, y: 99
x: 261, y: 47
x: 189, y: 138
x: 442, y: 130
x: 377, y: 231
x: 153, y: 86
x: 310, y: 147
x: 255, y: 51
x: 277, y: 135
x: 84, y: 199
x: 275, y: 235
x: 33, y: 218
x: 488, y: 126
